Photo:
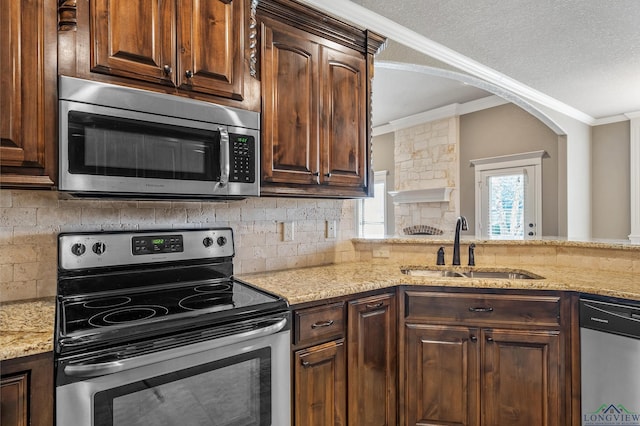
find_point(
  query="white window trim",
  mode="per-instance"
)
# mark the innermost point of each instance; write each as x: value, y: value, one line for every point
x: 378, y: 176
x: 526, y: 159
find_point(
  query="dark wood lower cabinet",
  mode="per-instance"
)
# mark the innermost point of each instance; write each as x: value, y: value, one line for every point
x: 320, y: 398
x: 26, y: 391
x: 345, y: 362
x: 521, y: 378
x: 442, y: 375
x: 487, y: 359
x: 372, y: 361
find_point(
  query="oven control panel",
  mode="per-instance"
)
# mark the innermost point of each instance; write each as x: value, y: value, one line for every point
x: 95, y: 250
x: 157, y: 244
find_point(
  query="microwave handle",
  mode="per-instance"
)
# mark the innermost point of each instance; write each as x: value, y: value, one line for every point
x: 225, y: 162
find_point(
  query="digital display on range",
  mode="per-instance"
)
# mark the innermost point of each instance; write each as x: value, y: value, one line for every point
x: 156, y: 244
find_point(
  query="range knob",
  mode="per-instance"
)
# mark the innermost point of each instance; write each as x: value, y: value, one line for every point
x: 78, y: 249
x: 222, y: 241
x: 208, y: 241
x: 99, y: 248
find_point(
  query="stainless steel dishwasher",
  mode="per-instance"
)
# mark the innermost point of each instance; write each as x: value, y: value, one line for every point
x: 610, y: 362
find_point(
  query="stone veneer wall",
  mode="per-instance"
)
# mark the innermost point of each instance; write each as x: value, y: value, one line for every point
x: 426, y: 157
x: 30, y: 221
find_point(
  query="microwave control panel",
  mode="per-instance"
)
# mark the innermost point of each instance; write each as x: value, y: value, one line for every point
x: 243, y: 158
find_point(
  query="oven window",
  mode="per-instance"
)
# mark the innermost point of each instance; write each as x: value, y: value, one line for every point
x: 115, y: 146
x: 235, y: 391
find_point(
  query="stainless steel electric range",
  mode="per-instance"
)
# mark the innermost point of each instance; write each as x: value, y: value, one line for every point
x: 152, y: 328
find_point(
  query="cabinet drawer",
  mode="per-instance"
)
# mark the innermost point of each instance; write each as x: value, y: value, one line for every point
x: 482, y: 309
x: 319, y: 323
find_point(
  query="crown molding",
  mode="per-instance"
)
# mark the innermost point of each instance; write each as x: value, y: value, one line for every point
x: 366, y: 18
x: 448, y: 111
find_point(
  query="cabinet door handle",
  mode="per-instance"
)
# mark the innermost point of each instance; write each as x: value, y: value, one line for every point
x: 489, y: 339
x: 167, y: 69
x: 473, y: 338
x: 316, y: 173
x: 321, y: 324
x: 374, y: 305
x: 480, y: 309
x: 327, y: 175
x: 188, y: 74
x: 305, y: 363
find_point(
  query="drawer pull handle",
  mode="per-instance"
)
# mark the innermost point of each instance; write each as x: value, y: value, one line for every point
x: 480, y: 309
x: 322, y: 324
x: 305, y: 363
x: 374, y: 305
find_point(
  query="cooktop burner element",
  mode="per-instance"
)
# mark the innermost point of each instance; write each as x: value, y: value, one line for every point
x: 125, y: 315
x: 118, y: 290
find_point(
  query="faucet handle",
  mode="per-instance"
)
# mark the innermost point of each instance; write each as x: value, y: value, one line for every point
x: 472, y: 257
x: 440, y: 260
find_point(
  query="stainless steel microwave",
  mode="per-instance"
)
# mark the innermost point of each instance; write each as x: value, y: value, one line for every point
x: 117, y: 141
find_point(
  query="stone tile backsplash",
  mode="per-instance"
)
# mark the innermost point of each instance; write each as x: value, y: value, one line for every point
x: 31, y: 220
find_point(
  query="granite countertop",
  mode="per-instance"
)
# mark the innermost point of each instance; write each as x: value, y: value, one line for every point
x: 26, y: 328
x: 322, y: 282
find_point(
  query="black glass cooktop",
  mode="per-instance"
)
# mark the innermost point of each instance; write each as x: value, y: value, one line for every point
x: 101, y: 312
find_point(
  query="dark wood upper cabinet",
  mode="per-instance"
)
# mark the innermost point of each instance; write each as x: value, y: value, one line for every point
x: 197, y: 48
x: 28, y: 123
x: 290, y: 123
x: 210, y: 46
x: 344, y: 119
x: 316, y: 95
x: 194, y: 44
x: 134, y: 39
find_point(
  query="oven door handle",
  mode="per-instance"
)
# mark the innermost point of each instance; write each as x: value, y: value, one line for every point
x: 102, y: 368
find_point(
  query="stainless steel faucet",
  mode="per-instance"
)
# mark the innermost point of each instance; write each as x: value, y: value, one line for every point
x: 461, y: 223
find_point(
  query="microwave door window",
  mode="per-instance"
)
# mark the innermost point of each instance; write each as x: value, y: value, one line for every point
x: 112, y: 152
x: 108, y: 146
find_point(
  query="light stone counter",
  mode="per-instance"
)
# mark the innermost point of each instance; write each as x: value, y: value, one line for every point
x: 26, y: 328
x: 321, y: 282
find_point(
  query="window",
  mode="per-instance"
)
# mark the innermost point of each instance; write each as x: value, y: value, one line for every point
x: 371, y: 212
x: 509, y: 196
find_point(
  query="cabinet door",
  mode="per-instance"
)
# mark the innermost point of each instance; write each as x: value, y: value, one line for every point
x: 344, y: 118
x: 320, y: 385
x: 372, y: 361
x: 442, y: 370
x: 521, y: 378
x: 26, y: 391
x: 290, y: 106
x: 14, y: 400
x: 28, y: 95
x: 210, y: 46
x: 134, y: 39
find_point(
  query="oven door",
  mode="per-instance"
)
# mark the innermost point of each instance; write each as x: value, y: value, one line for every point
x: 243, y: 383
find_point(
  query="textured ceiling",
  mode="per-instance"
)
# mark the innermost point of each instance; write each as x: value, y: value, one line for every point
x: 584, y: 53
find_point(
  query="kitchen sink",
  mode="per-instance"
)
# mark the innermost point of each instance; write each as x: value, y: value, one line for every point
x: 432, y: 273
x: 470, y: 273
